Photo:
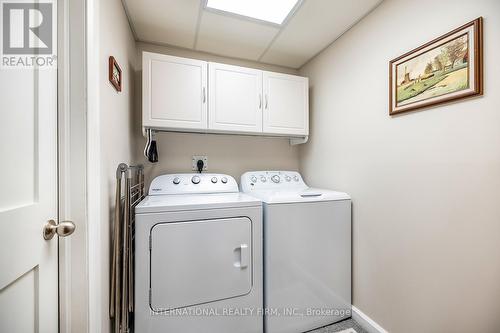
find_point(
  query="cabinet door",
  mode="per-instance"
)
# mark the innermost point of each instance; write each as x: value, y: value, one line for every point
x: 235, y: 98
x: 286, y: 104
x: 174, y: 92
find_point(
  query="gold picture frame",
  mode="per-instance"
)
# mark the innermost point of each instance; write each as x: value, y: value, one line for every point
x: 446, y: 69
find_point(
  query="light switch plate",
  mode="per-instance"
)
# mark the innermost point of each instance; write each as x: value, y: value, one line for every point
x: 204, y: 158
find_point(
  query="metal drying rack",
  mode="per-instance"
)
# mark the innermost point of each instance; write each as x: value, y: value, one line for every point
x: 121, y: 301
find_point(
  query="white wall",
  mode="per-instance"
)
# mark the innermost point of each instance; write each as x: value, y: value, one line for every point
x: 116, y: 137
x: 425, y: 185
x: 230, y: 154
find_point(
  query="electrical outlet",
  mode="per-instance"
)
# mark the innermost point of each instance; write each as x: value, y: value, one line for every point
x: 204, y: 158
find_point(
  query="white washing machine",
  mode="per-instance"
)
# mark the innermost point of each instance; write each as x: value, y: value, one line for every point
x: 307, y: 251
x: 198, y: 257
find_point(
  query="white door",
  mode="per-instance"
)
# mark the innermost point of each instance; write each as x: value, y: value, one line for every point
x: 174, y: 92
x: 28, y: 199
x: 286, y: 104
x: 235, y: 98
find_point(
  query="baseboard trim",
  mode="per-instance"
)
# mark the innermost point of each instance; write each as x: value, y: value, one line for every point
x: 366, y: 322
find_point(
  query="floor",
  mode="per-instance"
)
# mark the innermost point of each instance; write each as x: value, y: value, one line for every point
x: 340, y: 326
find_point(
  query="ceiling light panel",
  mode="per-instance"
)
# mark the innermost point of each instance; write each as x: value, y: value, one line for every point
x: 275, y: 11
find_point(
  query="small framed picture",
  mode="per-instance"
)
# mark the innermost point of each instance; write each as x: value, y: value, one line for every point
x: 115, y: 74
x: 446, y: 69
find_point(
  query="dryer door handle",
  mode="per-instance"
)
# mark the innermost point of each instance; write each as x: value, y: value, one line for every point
x: 244, y: 256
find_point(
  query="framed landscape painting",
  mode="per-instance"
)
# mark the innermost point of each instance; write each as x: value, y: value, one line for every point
x: 445, y: 69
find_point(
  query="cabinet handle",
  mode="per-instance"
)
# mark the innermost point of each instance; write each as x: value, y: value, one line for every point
x: 266, y: 102
x: 204, y: 95
x: 260, y: 101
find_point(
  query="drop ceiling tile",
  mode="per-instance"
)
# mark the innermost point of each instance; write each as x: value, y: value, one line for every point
x: 233, y: 37
x: 315, y: 25
x: 165, y: 21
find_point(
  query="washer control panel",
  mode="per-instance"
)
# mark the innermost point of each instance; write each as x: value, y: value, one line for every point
x: 193, y: 183
x: 271, y: 180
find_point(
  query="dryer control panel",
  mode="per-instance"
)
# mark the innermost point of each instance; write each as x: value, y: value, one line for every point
x: 272, y: 180
x: 192, y: 183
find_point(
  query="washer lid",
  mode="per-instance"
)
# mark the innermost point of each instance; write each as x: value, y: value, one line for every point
x: 306, y: 195
x: 177, y: 202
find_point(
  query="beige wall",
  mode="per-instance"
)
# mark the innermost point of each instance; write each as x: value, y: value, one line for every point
x: 116, y: 124
x: 231, y: 154
x: 425, y: 185
x: 121, y: 138
x: 180, y: 52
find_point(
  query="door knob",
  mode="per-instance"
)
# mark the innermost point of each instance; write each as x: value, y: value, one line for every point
x: 63, y: 229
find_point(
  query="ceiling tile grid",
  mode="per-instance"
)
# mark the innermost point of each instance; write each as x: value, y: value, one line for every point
x: 313, y: 27
x: 188, y: 24
x: 233, y: 37
x: 164, y: 21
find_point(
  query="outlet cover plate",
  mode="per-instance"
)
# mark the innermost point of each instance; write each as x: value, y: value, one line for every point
x: 204, y: 158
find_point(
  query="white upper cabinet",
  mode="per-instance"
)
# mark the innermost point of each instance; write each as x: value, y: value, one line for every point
x: 286, y: 104
x: 174, y: 92
x: 180, y: 94
x: 235, y: 98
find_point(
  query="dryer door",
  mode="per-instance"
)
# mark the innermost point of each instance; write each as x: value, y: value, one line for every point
x: 198, y: 262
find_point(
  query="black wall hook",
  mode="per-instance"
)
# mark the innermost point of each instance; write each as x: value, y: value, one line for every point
x: 151, y: 150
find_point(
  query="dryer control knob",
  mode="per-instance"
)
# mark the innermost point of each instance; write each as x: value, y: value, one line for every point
x: 276, y: 179
x: 263, y: 179
x: 195, y: 180
x: 176, y: 181
x: 296, y: 178
x: 288, y: 178
x: 223, y: 180
x: 214, y: 180
x: 253, y: 179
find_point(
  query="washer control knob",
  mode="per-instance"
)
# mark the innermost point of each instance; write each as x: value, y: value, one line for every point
x: 214, y: 180
x: 288, y: 178
x: 195, y: 180
x: 224, y: 180
x: 176, y: 181
x: 296, y: 178
x: 253, y: 179
x: 276, y: 179
x: 263, y: 179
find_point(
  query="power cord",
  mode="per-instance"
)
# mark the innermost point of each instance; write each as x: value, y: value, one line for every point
x: 200, y: 165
